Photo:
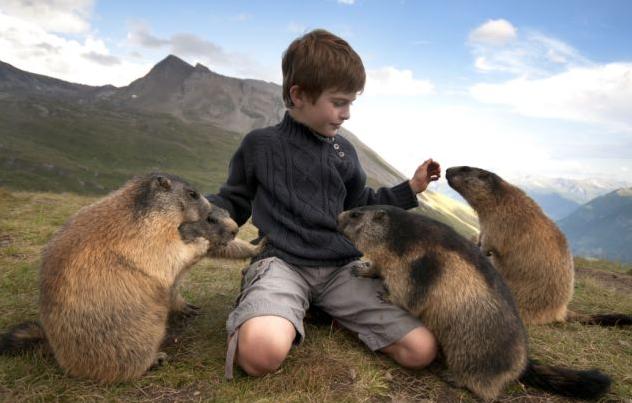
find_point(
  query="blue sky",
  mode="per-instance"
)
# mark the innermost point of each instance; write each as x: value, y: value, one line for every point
x: 539, y: 88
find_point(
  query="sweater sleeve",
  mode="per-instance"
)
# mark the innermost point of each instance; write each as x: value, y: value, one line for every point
x: 358, y: 194
x: 237, y: 193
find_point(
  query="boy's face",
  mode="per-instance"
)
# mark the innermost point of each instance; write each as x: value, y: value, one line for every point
x: 327, y: 113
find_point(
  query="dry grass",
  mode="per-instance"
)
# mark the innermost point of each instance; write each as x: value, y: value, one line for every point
x: 330, y: 366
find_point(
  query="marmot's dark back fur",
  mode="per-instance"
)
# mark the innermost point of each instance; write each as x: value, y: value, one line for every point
x: 525, y: 246
x: 109, y: 275
x: 441, y: 277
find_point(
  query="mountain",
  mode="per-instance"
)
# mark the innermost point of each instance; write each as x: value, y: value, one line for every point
x: 196, y: 94
x: 559, y: 197
x: 59, y: 136
x: 602, y: 228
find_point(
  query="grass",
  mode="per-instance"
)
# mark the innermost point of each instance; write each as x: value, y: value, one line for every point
x: 617, y: 267
x: 332, y: 365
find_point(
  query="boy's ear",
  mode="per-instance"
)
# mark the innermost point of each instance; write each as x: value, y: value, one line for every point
x: 297, y: 96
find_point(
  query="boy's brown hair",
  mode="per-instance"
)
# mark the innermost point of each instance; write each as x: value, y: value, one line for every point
x: 318, y: 61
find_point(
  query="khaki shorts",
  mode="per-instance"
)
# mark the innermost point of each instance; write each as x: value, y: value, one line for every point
x: 273, y: 287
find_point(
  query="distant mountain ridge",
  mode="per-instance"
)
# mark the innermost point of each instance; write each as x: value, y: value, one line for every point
x: 184, y: 119
x: 559, y: 197
x: 602, y: 228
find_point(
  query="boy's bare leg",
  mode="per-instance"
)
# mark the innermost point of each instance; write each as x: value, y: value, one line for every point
x: 264, y: 343
x: 417, y: 349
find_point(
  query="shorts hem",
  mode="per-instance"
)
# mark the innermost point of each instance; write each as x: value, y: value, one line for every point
x: 246, y: 312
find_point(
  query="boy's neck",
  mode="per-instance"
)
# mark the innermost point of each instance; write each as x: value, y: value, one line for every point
x: 296, y: 116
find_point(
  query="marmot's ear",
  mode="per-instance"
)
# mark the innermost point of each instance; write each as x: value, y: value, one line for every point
x: 162, y: 183
x: 380, y: 215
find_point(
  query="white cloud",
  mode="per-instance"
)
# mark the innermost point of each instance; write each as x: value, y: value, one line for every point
x: 347, y: 2
x: 393, y: 82
x: 497, y: 48
x: 196, y: 49
x: 62, y: 16
x: 28, y: 46
x: 494, y: 32
x: 597, y: 94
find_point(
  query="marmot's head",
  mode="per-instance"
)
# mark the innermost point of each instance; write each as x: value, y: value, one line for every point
x: 217, y: 227
x: 168, y: 195
x: 476, y: 185
x: 367, y: 226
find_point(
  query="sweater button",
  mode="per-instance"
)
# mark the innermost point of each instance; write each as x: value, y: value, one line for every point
x: 336, y: 146
x: 341, y: 154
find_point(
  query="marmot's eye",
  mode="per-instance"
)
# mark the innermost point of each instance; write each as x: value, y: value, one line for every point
x: 355, y: 214
x: 483, y: 176
x: 193, y: 194
x: 211, y: 220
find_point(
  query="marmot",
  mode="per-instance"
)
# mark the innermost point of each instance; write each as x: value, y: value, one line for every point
x: 442, y: 278
x: 108, y: 276
x: 525, y: 246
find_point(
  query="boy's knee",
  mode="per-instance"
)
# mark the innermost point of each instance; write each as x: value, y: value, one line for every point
x: 417, y: 349
x: 264, y: 343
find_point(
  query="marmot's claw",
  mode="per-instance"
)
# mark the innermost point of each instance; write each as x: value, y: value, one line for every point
x: 384, y: 297
x: 159, y: 360
x: 190, y: 310
x: 363, y: 269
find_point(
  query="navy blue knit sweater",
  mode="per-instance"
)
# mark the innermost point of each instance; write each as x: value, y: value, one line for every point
x: 295, y: 183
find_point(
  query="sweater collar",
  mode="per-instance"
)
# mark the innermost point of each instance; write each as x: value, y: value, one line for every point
x: 291, y: 125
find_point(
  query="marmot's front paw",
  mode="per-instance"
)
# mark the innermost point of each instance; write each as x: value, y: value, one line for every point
x: 364, y: 269
x: 260, y: 244
x: 159, y: 360
x: 384, y: 296
x: 189, y: 310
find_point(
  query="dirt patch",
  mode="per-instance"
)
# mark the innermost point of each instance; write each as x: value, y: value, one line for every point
x: 618, y: 281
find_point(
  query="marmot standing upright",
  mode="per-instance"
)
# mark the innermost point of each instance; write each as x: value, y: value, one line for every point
x: 525, y: 246
x: 109, y: 275
x: 442, y: 278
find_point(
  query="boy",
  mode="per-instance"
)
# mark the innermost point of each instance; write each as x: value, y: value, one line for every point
x: 295, y: 178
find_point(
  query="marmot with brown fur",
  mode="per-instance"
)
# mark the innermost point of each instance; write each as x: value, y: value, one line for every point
x: 442, y: 278
x: 109, y: 275
x: 525, y: 246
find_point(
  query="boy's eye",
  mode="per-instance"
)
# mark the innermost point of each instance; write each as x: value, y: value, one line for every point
x: 341, y: 102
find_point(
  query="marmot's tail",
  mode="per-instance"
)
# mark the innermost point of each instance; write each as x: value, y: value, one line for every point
x: 611, y: 319
x: 22, y: 337
x: 588, y: 385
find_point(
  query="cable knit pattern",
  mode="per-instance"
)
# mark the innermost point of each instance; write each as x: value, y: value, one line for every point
x: 295, y: 183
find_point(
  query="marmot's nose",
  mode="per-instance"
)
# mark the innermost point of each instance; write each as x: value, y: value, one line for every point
x: 341, y: 220
x: 340, y: 217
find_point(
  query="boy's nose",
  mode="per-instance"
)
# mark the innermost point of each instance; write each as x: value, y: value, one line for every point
x: 345, y: 114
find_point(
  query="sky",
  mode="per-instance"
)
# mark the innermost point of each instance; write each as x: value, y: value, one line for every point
x: 538, y: 88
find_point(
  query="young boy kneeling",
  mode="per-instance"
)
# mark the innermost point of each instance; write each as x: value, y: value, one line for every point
x: 295, y: 178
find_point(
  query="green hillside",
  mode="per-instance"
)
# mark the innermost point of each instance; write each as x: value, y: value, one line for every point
x: 92, y: 149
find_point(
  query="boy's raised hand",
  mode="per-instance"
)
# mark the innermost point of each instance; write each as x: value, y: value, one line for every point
x: 427, y: 172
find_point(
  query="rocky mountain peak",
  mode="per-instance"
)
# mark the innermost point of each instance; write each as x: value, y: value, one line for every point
x: 171, y: 67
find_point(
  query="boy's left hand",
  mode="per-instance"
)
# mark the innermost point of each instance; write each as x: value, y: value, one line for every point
x: 427, y: 172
